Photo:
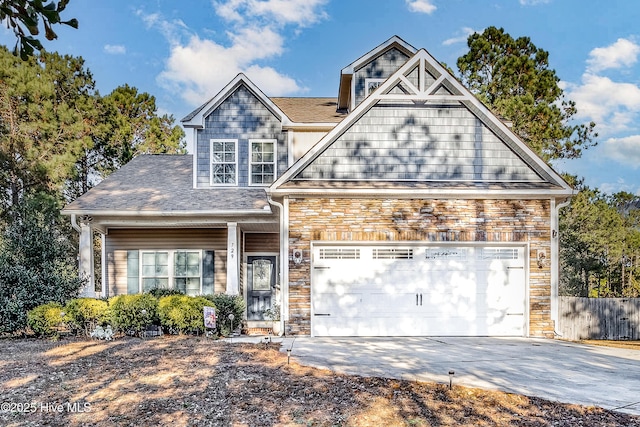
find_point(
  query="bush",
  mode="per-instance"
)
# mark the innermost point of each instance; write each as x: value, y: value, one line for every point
x: 162, y: 292
x: 85, y: 314
x: 182, y: 313
x: 45, y: 319
x: 37, y: 261
x: 131, y: 314
x: 226, y: 305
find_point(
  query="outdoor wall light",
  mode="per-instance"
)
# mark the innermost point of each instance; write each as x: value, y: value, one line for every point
x: 451, y: 374
x: 297, y: 256
x: 542, y: 259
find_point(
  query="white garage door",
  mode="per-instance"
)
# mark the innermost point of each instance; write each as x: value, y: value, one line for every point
x: 418, y: 291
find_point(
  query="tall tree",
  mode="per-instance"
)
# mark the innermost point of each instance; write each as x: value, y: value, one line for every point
x: 44, y: 105
x: 132, y: 127
x: 512, y: 77
x: 24, y: 17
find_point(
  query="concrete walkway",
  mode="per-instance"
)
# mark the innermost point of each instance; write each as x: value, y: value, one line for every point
x: 551, y: 369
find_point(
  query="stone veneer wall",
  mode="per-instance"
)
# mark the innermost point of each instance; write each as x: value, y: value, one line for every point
x: 385, y: 220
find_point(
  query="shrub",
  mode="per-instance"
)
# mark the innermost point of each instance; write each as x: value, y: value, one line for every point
x: 37, y: 261
x: 226, y: 305
x: 182, y: 313
x: 85, y: 314
x: 131, y: 314
x: 45, y: 319
x: 162, y: 292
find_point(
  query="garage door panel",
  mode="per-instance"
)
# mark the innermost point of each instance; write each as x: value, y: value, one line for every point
x: 422, y: 290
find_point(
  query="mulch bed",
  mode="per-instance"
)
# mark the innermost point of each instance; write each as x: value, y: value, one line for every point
x: 195, y: 381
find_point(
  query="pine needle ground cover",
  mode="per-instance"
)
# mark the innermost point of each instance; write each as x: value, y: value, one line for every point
x: 191, y: 381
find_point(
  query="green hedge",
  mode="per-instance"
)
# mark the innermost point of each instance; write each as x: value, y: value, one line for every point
x: 84, y: 314
x: 131, y: 314
x: 46, y: 319
x: 182, y: 313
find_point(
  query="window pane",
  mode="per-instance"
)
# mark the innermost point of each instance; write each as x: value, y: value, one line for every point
x: 217, y: 146
x: 181, y: 285
x: 193, y: 286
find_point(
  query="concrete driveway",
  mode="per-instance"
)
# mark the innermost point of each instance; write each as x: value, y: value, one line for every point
x: 554, y: 370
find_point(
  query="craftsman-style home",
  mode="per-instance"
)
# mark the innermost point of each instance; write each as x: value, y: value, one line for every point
x: 403, y: 207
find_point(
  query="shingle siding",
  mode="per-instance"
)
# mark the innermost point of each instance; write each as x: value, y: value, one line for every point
x: 242, y: 116
x: 379, y: 68
x: 397, y: 143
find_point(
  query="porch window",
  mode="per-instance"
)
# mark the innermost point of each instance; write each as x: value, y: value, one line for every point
x: 224, y: 162
x: 155, y: 270
x: 263, y: 161
x: 188, y: 271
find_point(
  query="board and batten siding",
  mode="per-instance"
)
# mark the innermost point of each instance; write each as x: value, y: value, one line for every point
x: 242, y: 117
x: 118, y: 242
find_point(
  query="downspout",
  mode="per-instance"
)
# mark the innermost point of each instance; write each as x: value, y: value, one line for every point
x: 555, y: 260
x: 284, y: 272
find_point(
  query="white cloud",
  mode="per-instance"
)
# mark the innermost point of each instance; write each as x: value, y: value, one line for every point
x: 298, y: 12
x: 614, y: 106
x: 115, y: 49
x: 623, y: 53
x: 197, y: 67
x: 421, y: 6
x: 625, y: 150
x: 465, y: 32
x: 533, y: 2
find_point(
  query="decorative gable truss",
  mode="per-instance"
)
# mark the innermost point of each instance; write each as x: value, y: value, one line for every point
x: 422, y: 130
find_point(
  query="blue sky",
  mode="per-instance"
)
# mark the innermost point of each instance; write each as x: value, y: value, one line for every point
x: 183, y: 52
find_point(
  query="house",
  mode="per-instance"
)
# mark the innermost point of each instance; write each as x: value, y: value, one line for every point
x: 403, y: 207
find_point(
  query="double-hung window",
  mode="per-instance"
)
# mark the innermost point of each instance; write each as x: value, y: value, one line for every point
x: 224, y: 162
x: 188, y: 271
x: 262, y: 167
x: 155, y: 270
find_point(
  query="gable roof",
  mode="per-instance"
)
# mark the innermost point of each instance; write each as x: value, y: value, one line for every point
x: 346, y: 74
x: 162, y: 185
x: 420, y: 150
x: 195, y: 119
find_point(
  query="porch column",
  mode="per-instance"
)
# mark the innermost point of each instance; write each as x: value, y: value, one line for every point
x: 233, y: 259
x: 85, y: 265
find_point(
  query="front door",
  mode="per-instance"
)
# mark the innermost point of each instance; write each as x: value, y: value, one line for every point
x: 261, y: 285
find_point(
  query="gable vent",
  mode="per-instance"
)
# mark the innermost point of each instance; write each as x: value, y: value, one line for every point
x: 339, y: 253
x: 500, y: 253
x: 392, y: 253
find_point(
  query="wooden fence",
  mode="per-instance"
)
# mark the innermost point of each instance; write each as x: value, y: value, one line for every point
x: 599, y: 318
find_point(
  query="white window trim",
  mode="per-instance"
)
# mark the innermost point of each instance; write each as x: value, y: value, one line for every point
x: 171, y: 266
x: 275, y: 162
x: 367, y: 82
x: 217, y: 184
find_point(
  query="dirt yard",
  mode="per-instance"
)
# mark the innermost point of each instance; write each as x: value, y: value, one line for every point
x: 187, y: 381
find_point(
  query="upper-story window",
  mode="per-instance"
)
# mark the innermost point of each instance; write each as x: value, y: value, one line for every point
x: 224, y: 162
x: 372, y: 84
x: 262, y: 167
